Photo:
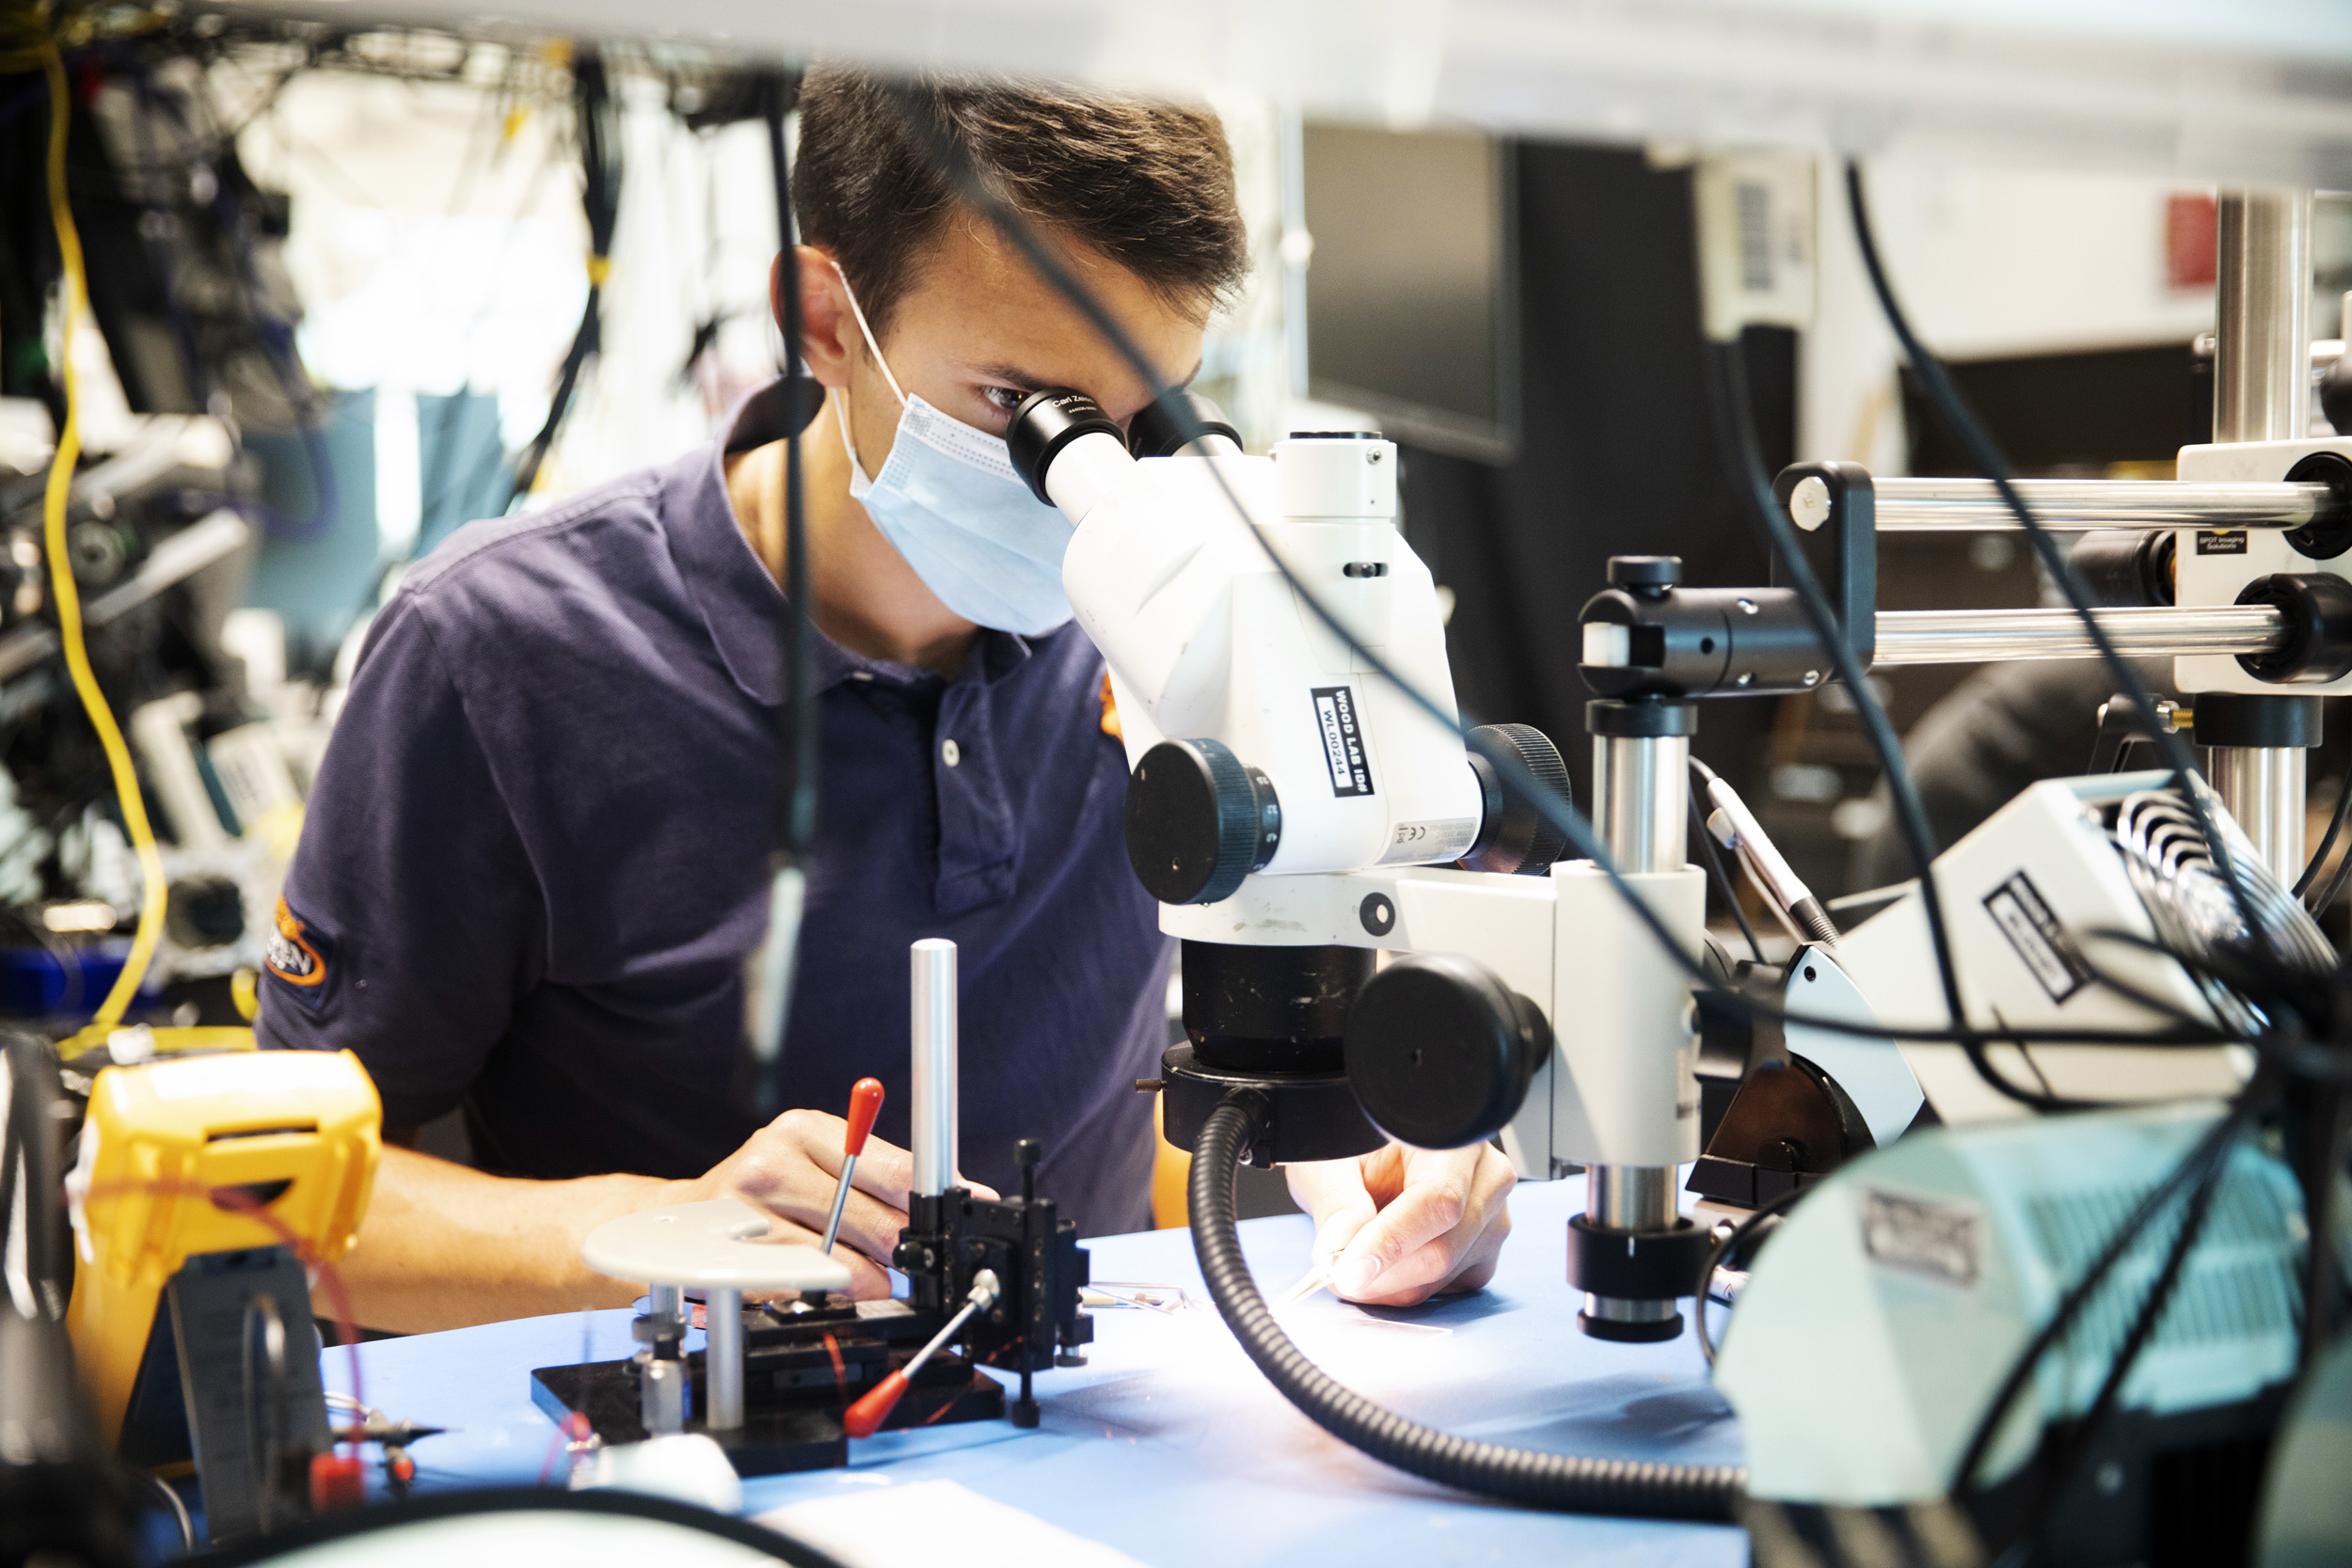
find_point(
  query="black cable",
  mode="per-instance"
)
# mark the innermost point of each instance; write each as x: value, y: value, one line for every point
x: 2327, y: 839
x: 599, y: 130
x: 2075, y: 1449
x: 1725, y: 1246
x: 378, y: 1517
x: 1987, y: 457
x: 2328, y: 894
x: 954, y: 164
x: 798, y: 799
x: 1722, y: 876
x: 2216, y: 1140
x: 1727, y: 383
x: 1565, y: 1482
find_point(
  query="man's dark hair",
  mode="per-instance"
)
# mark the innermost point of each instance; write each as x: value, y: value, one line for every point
x: 1148, y: 184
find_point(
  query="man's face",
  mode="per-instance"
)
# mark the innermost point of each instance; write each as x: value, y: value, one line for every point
x: 977, y: 330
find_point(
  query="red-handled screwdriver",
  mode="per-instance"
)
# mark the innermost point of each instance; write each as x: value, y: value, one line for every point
x: 865, y: 1418
x: 865, y: 1104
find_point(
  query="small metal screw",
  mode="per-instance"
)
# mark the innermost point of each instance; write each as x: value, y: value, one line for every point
x: 1149, y: 1085
x: 1371, y: 455
x: 1747, y: 606
x: 1809, y: 503
x: 1812, y: 677
x: 1747, y: 678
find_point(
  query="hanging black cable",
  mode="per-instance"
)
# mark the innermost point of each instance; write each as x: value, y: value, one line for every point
x: 797, y: 802
x: 772, y: 968
x: 1735, y: 425
x: 1570, y: 1484
x: 2327, y: 840
x: 598, y: 127
x: 1990, y: 460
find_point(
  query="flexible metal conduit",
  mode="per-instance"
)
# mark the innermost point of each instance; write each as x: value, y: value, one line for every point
x: 1635, y: 1488
x: 1980, y: 636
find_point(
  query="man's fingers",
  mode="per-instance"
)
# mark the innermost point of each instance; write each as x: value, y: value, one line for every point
x: 1426, y: 1211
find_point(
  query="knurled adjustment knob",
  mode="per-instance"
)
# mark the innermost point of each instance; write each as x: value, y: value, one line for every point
x: 1198, y: 822
x: 1637, y: 573
x: 1439, y: 1051
x: 1517, y: 833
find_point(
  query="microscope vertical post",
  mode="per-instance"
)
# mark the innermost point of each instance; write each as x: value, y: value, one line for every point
x: 1641, y: 803
x: 932, y: 1138
x: 722, y: 1359
x: 2261, y: 392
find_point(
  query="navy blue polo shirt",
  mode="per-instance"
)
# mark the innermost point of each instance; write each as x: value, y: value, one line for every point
x: 536, y: 856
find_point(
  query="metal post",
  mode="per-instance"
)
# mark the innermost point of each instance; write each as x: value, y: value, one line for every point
x: 933, y: 1137
x: 2263, y: 787
x: 1641, y: 800
x: 1641, y: 803
x: 722, y: 1359
x: 2261, y: 368
x: 2261, y: 385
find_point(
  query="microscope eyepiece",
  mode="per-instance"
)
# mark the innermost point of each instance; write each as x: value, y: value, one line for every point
x: 1154, y: 431
x: 1046, y: 421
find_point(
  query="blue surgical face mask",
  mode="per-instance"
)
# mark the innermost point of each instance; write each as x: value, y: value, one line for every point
x: 948, y: 498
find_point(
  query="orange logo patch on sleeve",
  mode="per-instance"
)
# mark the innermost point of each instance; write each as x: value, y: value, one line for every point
x: 1110, y: 710
x: 298, y: 955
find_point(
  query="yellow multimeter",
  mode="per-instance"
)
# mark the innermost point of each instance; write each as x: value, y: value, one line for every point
x: 293, y: 1134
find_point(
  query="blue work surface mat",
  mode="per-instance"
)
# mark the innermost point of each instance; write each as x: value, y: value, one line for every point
x: 1169, y: 1447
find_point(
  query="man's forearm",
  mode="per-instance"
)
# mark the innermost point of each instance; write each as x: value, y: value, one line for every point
x: 442, y: 1246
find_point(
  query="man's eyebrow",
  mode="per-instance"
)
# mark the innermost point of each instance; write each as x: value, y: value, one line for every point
x: 1020, y: 380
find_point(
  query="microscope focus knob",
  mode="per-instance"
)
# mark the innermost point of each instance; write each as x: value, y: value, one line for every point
x: 1515, y: 834
x: 1199, y: 820
x: 1439, y: 1051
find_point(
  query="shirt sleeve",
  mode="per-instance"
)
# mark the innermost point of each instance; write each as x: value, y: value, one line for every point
x: 412, y: 920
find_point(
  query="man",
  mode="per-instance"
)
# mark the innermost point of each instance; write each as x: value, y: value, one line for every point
x: 534, y: 855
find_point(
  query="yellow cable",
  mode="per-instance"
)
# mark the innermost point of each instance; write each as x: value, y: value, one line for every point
x: 68, y: 597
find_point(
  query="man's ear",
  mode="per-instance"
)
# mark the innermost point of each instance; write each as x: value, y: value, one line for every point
x: 830, y: 340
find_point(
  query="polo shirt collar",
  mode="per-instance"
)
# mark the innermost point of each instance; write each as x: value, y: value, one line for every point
x: 741, y: 604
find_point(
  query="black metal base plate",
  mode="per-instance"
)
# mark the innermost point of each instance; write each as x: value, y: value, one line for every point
x: 800, y: 1432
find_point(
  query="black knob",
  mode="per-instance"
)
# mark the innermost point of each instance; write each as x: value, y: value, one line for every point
x: 1516, y: 835
x: 1154, y: 433
x: 1638, y: 572
x: 1045, y: 422
x: 1198, y: 822
x: 1439, y: 1052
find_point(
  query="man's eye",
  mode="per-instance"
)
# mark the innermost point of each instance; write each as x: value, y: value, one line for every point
x: 1003, y: 398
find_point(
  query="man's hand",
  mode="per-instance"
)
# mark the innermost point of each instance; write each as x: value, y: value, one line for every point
x: 1400, y: 1225
x: 788, y: 1169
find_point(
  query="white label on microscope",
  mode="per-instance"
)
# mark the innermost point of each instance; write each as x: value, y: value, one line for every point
x: 1425, y: 843
x: 1343, y: 740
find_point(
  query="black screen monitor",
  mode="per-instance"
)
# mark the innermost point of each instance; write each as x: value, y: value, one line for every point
x: 1412, y: 309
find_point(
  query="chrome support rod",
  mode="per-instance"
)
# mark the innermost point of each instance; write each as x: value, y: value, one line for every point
x: 1641, y: 800
x: 932, y: 1141
x: 2262, y: 388
x: 722, y: 1359
x: 1641, y: 803
x: 1983, y: 636
x: 2077, y: 505
x: 2262, y: 786
x: 2262, y: 381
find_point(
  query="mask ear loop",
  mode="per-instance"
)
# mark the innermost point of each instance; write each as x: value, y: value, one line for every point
x: 857, y: 464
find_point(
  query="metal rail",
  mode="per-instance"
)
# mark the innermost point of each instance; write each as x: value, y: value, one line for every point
x: 1983, y: 636
x: 1973, y: 506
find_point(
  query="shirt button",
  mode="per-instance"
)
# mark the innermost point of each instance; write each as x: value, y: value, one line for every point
x: 951, y: 753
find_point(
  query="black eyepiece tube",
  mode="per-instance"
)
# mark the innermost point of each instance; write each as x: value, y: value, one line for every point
x: 1153, y: 433
x: 1046, y: 421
